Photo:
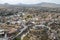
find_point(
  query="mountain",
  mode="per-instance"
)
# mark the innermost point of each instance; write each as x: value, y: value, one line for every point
x: 43, y: 4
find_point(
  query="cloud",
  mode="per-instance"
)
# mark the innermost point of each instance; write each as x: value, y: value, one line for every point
x: 28, y: 1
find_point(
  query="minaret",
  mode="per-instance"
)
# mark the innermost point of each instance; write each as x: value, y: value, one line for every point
x: 5, y: 37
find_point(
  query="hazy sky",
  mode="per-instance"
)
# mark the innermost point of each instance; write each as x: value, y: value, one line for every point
x: 28, y: 1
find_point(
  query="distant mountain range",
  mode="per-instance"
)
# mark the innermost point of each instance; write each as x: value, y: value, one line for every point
x: 43, y: 4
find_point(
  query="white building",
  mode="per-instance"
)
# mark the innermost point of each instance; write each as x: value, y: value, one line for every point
x: 1, y: 31
x: 3, y: 35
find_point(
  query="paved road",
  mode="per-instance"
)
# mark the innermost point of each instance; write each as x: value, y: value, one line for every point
x: 21, y: 31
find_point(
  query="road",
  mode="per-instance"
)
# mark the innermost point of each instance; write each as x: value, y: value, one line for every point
x: 22, y: 31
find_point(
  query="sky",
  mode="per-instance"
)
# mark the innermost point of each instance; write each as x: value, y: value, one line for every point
x: 28, y: 1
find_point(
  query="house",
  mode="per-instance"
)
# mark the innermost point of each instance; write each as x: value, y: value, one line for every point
x: 1, y: 31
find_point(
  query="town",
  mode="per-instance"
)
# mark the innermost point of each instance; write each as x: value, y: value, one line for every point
x: 29, y: 23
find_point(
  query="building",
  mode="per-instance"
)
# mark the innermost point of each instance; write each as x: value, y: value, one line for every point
x: 3, y: 35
